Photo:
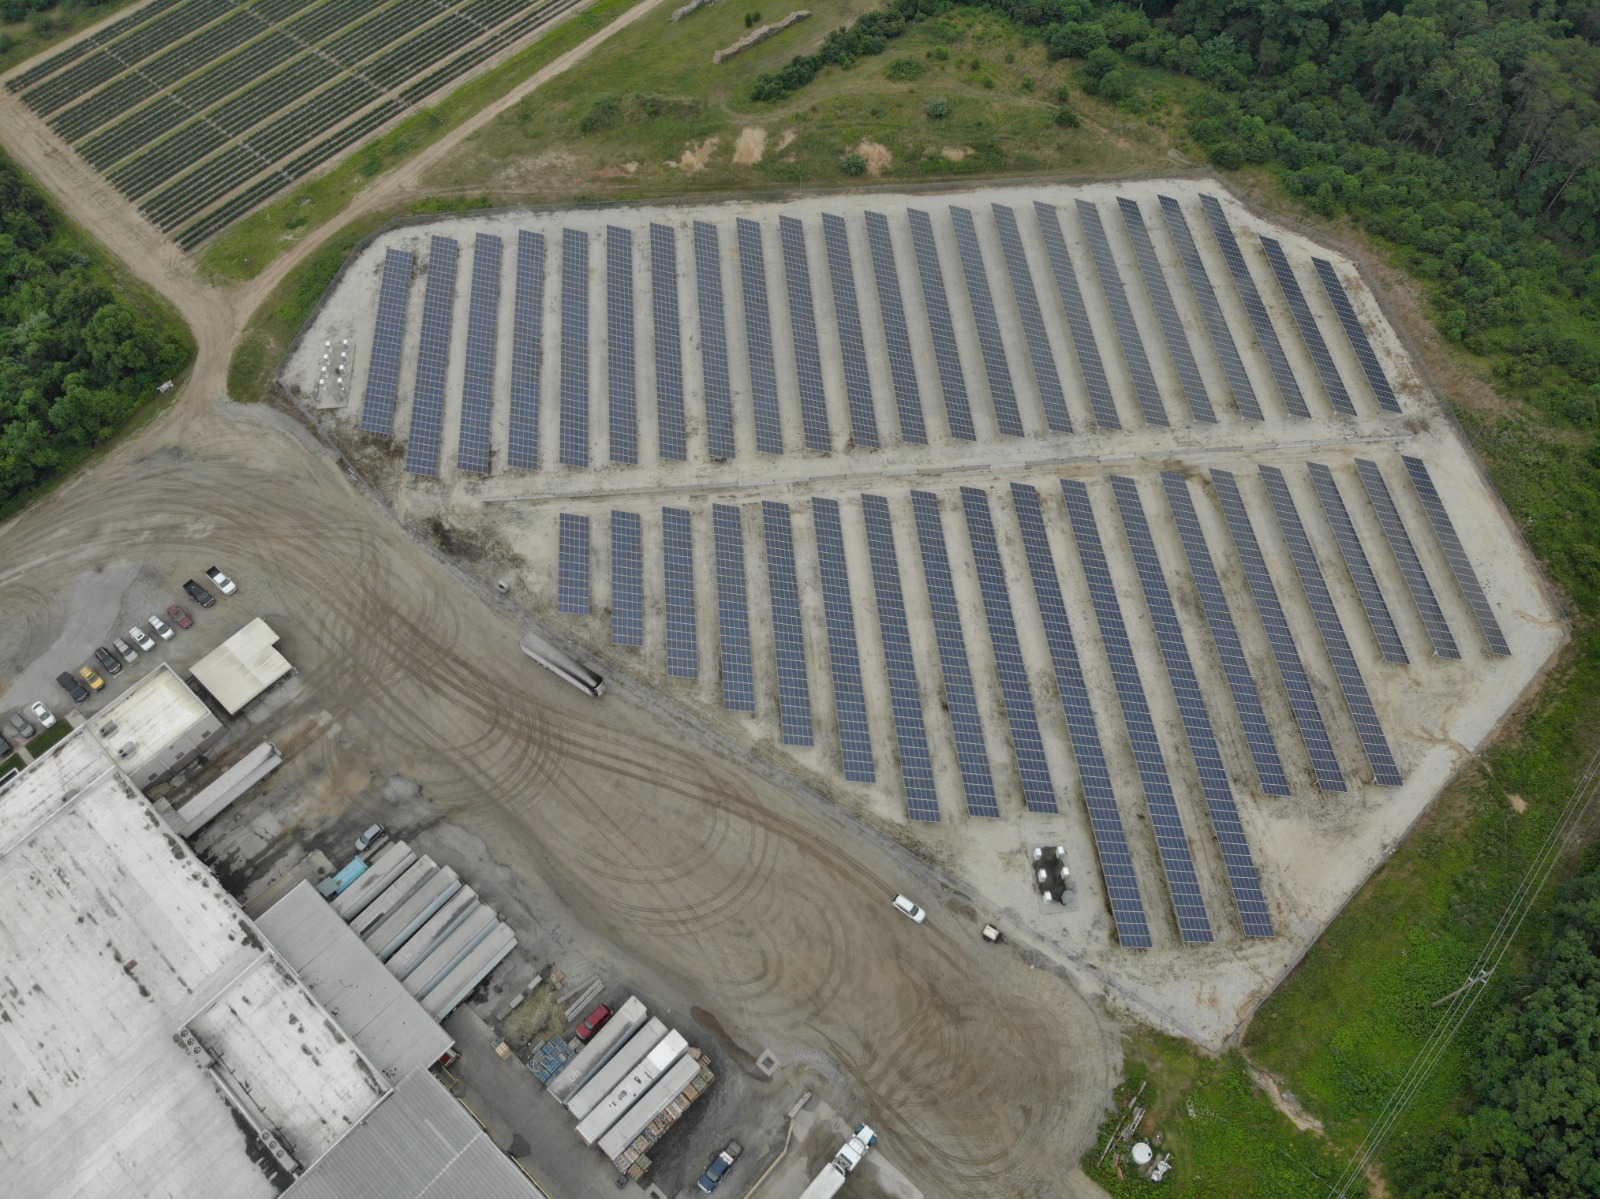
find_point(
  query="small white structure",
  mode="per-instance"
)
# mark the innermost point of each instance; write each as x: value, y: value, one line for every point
x: 1142, y: 1153
x: 243, y: 666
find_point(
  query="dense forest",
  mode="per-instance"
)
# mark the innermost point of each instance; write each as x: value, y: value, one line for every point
x: 78, y: 353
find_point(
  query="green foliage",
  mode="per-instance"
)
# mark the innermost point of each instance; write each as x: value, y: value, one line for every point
x: 1066, y: 118
x: 904, y: 70
x: 752, y: 19
x: 938, y: 108
x: 942, y: 53
x: 602, y: 115
x: 46, y: 739
x: 853, y: 165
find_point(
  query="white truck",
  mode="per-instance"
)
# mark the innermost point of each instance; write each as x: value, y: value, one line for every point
x: 826, y: 1184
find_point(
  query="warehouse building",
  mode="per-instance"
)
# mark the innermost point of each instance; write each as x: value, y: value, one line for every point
x: 157, y: 729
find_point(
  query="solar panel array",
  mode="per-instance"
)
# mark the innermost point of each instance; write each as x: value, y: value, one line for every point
x: 1038, y: 791
x: 1144, y: 382
x: 572, y: 593
x: 483, y: 336
x: 1373, y: 604
x: 677, y: 568
x: 433, y: 359
x: 1345, y: 669
x: 1405, y: 556
x: 1001, y: 392
x: 1225, y: 636
x: 388, y: 339
x: 527, y: 352
x: 1370, y: 366
x: 1327, y: 370
x: 803, y: 324
x: 1105, y: 819
x: 1172, y: 842
x: 788, y: 630
x: 1043, y: 358
x: 1155, y: 284
x: 627, y: 579
x: 844, y: 658
x: 891, y: 305
x: 713, y: 341
x: 1095, y: 382
x: 670, y: 418
x: 1244, y: 283
x: 758, y: 339
x: 1237, y: 859
x: 957, y: 408
x: 621, y: 381
x: 1466, y: 579
x: 905, y: 695
x: 1244, y: 393
x: 972, y: 754
x: 574, y: 348
x: 733, y: 610
x: 847, y: 319
x: 1302, y: 701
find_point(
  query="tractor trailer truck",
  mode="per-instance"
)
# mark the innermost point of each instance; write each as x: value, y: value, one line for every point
x: 827, y: 1184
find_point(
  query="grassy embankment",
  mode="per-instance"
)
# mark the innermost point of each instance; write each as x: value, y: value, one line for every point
x: 21, y: 40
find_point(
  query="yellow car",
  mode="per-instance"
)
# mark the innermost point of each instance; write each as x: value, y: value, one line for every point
x: 89, y: 676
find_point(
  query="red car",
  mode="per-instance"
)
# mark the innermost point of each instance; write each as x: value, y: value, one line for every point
x: 594, y: 1022
x: 180, y: 618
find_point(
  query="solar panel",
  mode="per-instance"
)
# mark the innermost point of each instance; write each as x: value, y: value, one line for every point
x: 1355, y: 560
x: 623, y: 410
x: 1094, y: 374
x: 1368, y: 729
x: 1155, y: 285
x: 902, y: 367
x: 483, y: 335
x: 1001, y: 392
x: 1144, y: 383
x: 844, y: 659
x: 972, y: 755
x: 388, y: 339
x: 527, y: 350
x: 670, y: 417
x: 1302, y: 701
x: 1244, y: 394
x: 677, y: 568
x: 627, y: 579
x: 1105, y: 820
x: 758, y: 339
x: 1194, y: 925
x: 733, y: 611
x: 1237, y: 859
x: 572, y: 594
x: 1043, y: 358
x: 574, y: 348
x: 1370, y: 366
x: 852, y: 347
x: 1225, y: 636
x: 1327, y: 371
x: 433, y: 359
x: 1405, y: 556
x: 713, y: 341
x: 905, y: 696
x: 957, y: 408
x: 1244, y: 283
x: 803, y: 323
x: 1038, y: 791
x: 1456, y: 557
x: 788, y: 631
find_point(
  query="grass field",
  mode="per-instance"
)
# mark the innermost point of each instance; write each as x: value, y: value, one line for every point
x: 49, y: 737
x: 21, y: 40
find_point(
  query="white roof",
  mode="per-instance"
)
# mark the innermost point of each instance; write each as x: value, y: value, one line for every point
x: 243, y: 666
x: 156, y: 711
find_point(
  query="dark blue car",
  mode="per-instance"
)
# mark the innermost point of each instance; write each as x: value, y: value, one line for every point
x: 723, y: 1163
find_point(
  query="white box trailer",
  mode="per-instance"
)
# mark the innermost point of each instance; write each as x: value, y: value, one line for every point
x: 472, y: 970
x: 478, y: 925
x: 228, y: 787
x: 600, y: 1049
x: 627, y: 1092
x: 386, y: 936
x: 613, y: 1072
x: 385, y: 868
x: 650, y: 1105
x: 394, y: 894
x: 827, y: 1183
x: 438, y: 927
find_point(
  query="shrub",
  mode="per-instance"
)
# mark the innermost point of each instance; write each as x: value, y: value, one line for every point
x: 904, y: 70
x: 853, y: 165
x: 1063, y: 94
x: 942, y: 53
x: 988, y: 82
x: 1027, y: 83
x: 1066, y: 118
x: 1074, y: 40
x: 938, y: 108
x: 602, y: 115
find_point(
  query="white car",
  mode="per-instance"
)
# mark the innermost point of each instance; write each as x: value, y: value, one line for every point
x: 43, y: 715
x: 224, y: 584
x: 906, y: 907
x: 129, y: 654
x: 160, y: 626
x: 141, y: 639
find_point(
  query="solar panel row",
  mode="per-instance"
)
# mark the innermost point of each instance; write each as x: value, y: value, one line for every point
x: 852, y: 346
x: 483, y: 336
x: 1095, y: 382
x: 1373, y: 604
x: 803, y: 324
x: 957, y: 408
x: 621, y: 381
x: 733, y: 611
x: 1001, y: 392
x: 677, y: 569
x: 1172, y: 842
x: 574, y: 348
x: 388, y: 339
x: 1155, y: 285
x: 1456, y: 557
x: 433, y: 359
x: 627, y: 579
x: 1405, y: 556
x: 1039, y: 352
x: 527, y: 352
x: 1144, y: 382
x: 671, y: 432
x: 572, y: 570
x: 844, y: 659
x: 1237, y: 859
x: 891, y: 305
x: 758, y: 338
x: 1105, y: 819
x: 1327, y: 369
x: 788, y: 629
x: 713, y: 341
x: 1370, y: 366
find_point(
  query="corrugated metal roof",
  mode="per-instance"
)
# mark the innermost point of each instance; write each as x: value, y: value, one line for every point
x: 243, y: 666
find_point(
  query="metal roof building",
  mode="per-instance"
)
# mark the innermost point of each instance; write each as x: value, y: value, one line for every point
x: 157, y: 728
x: 243, y: 666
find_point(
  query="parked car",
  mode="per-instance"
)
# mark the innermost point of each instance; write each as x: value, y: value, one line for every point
x: 23, y: 729
x: 129, y: 654
x: 160, y: 626
x: 593, y: 1022
x: 198, y: 593
x: 72, y: 687
x: 141, y: 639
x: 224, y: 584
x: 368, y: 837
x: 108, y: 660
x: 43, y: 715
x: 88, y: 675
x: 904, y: 905
x: 180, y: 618
x: 720, y: 1166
